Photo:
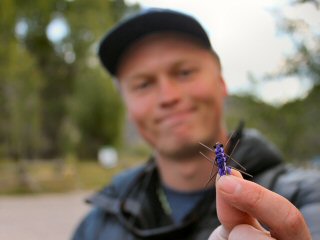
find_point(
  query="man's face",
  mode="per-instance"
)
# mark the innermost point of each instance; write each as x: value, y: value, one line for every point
x: 174, y: 93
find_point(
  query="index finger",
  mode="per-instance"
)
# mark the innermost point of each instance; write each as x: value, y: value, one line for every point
x: 282, y: 217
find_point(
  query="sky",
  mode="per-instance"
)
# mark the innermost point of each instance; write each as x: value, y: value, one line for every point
x: 245, y: 35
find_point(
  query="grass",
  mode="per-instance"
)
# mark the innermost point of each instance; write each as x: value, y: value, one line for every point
x: 57, y: 176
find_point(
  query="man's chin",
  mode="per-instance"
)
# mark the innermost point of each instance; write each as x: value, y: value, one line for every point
x: 181, y: 152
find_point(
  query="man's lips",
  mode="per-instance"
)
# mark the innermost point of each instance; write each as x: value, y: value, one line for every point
x: 176, y: 118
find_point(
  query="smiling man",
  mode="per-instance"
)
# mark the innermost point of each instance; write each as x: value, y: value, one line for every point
x: 171, y: 82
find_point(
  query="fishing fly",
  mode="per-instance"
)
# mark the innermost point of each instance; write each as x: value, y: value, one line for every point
x: 221, y: 160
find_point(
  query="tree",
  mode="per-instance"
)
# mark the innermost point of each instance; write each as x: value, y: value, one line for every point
x: 20, y: 104
x: 55, y: 76
x: 20, y: 86
x: 305, y: 59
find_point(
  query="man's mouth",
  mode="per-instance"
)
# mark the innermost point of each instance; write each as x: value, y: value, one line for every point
x: 177, y: 117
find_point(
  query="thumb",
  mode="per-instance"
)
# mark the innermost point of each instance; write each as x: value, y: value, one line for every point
x: 228, y: 215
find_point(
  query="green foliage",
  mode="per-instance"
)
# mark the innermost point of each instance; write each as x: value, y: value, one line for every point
x: 44, y: 177
x: 55, y: 99
x: 302, y: 119
x: 293, y: 127
x: 297, y: 125
x: 255, y: 114
x: 62, y: 176
x: 97, y: 110
x: 21, y: 86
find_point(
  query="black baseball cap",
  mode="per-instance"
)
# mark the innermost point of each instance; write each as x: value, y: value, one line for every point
x: 149, y: 21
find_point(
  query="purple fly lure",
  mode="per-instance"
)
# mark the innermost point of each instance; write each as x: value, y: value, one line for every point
x: 221, y: 161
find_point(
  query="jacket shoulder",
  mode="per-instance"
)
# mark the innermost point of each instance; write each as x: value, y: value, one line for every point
x: 121, y: 182
x: 106, y: 206
x: 300, y: 186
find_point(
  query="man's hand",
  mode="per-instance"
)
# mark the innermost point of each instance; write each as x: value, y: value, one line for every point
x: 241, y: 203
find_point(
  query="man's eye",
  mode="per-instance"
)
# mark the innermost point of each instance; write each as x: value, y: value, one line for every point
x: 143, y: 85
x: 185, y: 72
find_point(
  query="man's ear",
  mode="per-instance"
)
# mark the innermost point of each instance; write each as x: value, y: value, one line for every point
x: 224, y: 86
x: 116, y: 83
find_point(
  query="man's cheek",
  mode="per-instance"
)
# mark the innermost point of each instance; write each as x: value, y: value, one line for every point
x: 201, y: 93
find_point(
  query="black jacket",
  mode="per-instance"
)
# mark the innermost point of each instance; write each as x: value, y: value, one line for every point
x: 129, y: 208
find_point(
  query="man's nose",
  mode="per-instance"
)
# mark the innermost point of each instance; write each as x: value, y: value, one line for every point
x: 170, y: 93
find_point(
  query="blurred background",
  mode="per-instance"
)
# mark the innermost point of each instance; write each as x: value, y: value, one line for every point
x: 63, y: 128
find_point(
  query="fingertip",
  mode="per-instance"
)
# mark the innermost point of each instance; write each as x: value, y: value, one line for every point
x: 245, y: 231
x: 236, y: 173
x: 229, y: 184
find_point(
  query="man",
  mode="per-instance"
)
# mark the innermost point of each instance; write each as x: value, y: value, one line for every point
x: 170, y: 79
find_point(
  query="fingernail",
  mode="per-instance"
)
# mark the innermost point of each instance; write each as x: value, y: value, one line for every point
x: 229, y: 184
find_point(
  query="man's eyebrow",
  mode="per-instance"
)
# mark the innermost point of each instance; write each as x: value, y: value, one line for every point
x: 137, y: 76
x: 174, y: 64
x: 183, y: 61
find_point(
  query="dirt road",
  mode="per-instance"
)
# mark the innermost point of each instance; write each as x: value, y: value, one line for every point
x: 43, y: 217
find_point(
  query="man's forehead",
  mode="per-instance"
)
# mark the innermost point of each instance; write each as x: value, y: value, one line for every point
x: 151, y: 44
x: 153, y: 40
